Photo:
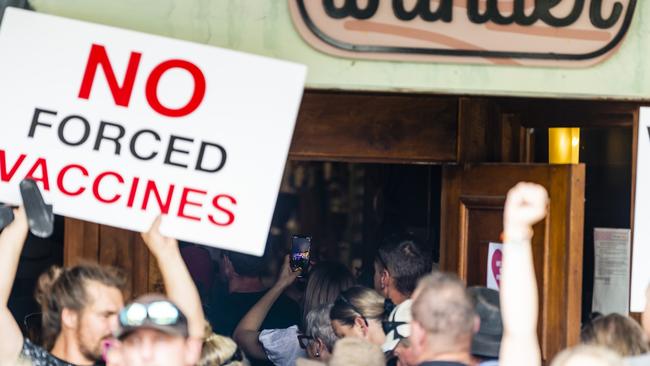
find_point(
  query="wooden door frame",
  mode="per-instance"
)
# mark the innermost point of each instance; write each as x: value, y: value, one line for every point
x: 560, y: 278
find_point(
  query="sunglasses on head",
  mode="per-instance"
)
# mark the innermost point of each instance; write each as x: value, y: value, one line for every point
x: 347, y: 302
x: 158, y: 312
x: 304, y: 340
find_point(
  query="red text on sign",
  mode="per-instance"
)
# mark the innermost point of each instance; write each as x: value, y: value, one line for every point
x: 98, y: 57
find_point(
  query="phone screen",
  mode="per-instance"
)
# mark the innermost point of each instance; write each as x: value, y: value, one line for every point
x: 300, y: 249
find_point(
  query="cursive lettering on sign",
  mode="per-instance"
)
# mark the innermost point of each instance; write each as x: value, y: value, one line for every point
x: 542, y: 11
x: 543, y: 32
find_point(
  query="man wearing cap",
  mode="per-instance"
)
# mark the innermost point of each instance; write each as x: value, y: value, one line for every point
x: 487, y: 340
x: 398, y: 329
x: 154, y: 331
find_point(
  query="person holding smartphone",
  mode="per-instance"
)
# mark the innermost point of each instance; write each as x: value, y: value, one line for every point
x: 244, y: 287
x: 281, y: 346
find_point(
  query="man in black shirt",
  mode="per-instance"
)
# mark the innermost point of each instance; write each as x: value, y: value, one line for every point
x: 79, y: 304
x: 245, y: 288
x: 399, y: 264
x: 443, y: 323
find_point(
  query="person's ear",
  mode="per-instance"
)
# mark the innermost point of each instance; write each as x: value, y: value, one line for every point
x: 193, y: 351
x: 69, y: 318
x: 320, y: 346
x: 362, y: 325
x: 477, y: 323
x: 384, y: 278
x: 417, y: 335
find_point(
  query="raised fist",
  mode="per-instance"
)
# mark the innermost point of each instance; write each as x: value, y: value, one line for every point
x: 526, y: 205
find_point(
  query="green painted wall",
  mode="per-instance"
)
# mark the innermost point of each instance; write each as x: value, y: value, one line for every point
x: 264, y: 27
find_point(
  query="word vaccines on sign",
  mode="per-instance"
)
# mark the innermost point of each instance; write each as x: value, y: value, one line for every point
x: 118, y: 126
x: 576, y: 33
x: 641, y: 229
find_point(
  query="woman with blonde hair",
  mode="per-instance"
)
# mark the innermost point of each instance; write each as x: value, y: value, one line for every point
x: 618, y: 333
x: 221, y: 351
x: 358, y: 312
x: 586, y: 355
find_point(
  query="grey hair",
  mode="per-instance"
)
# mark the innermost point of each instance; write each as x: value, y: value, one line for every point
x: 443, y: 306
x: 319, y: 325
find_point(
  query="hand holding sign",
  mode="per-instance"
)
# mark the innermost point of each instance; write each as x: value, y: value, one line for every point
x: 40, y: 217
x: 158, y: 244
x: 16, y: 231
x: 526, y: 205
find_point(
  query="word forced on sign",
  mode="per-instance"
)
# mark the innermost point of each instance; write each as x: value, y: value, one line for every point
x: 118, y: 126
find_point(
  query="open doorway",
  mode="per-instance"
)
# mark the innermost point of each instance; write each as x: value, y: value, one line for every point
x: 348, y: 208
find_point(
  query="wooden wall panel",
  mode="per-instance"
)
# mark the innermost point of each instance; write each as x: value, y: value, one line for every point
x: 116, y: 250
x: 81, y: 241
x: 85, y: 241
x: 474, y: 117
x: 569, y: 113
x: 376, y: 128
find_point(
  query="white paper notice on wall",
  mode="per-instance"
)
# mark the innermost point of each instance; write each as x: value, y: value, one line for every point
x: 641, y: 233
x: 118, y: 126
x: 611, y: 270
x: 495, y: 257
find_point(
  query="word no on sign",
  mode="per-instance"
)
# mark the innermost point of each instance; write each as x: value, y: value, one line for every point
x: 118, y: 126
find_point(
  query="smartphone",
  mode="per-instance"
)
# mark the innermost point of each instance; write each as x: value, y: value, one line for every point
x: 300, y: 249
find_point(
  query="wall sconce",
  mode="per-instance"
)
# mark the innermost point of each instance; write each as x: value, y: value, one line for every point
x: 564, y: 145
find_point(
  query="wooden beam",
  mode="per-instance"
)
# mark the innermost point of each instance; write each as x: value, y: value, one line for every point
x: 375, y: 128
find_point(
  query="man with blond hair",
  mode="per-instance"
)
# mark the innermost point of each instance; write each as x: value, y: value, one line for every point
x: 81, y: 304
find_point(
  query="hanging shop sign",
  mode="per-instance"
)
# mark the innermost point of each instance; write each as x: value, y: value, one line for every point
x: 570, y: 33
x: 119, y: 126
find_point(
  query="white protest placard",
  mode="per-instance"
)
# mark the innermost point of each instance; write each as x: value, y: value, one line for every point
x: 611, y: 270
x: 117, y: 126
x: 641, y: 233
x: 495, y: 258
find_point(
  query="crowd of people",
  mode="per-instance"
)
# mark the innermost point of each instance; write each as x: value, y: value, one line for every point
x: 413, y: 315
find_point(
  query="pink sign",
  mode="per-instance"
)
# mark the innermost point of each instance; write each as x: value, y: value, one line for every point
x: 495, y: 256
x: 570, y: 33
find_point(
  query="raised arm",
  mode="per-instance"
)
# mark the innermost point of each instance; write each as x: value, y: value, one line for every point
x: 12, y: 240
x: 178, y: 282
x: 248, y: 330
x: 526, y: 205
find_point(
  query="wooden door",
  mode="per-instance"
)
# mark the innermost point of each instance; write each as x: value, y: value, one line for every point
x: 472, y: 208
